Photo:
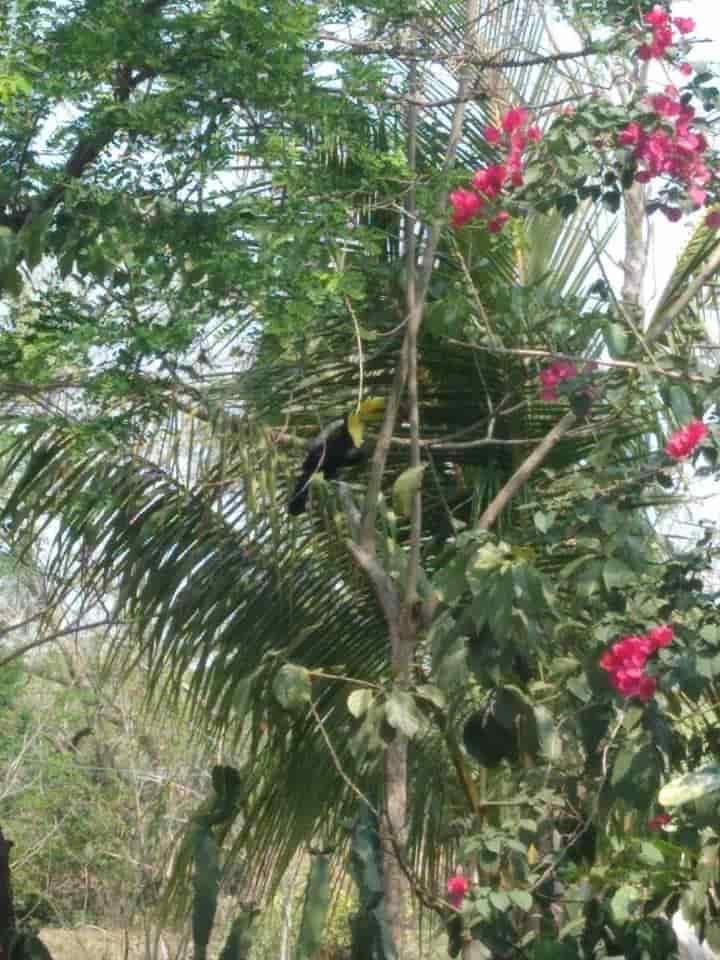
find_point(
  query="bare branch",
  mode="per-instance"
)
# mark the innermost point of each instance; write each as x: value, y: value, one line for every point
x: 51, y: 638
x: 525, y: 471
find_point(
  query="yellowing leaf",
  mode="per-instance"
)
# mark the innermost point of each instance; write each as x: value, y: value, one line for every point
x: 405, y: 488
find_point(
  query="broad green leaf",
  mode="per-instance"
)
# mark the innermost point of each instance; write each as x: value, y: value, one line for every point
x: 651, y: 855
x: 624, y: 903
x: 617, y: 574
x: 359, y: 701
x: 435, y: 695
x: 522, y: 899
x: 680, y: 404
x: 402, y: 713
x: 500, y: 900
x: 292, y: 686
x: 690, y: 786
x: 544, y: 521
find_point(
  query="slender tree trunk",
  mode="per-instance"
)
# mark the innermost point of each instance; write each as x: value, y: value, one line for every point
x: 635, y: 260
x: 393, y: 829
x: 7, y: 904
x: 392, y: 835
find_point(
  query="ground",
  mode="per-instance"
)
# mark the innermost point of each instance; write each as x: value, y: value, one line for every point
x: 94, y: 943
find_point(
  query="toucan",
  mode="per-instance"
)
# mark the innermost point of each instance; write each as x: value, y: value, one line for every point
x: 339, y: 445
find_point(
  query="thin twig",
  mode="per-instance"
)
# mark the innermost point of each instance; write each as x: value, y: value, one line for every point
x: 538, y: 352
x: 336, y: 760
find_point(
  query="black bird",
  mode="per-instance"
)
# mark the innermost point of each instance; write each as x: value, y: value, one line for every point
x: 339, y: 445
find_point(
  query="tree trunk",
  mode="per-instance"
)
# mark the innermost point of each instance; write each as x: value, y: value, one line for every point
x: 7, y: 904
x: 392, y: 837
x: 393, y: 828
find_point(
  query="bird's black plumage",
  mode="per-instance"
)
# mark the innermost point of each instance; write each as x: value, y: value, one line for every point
x: 333, y: 449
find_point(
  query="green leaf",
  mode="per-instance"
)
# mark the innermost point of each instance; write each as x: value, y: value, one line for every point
x: 617, y: 574
x: 359, y: 701
x: 680, y: 404
x: 690, y: 786
x: 521, y: 899
x: 292, y: 686
x: 405, y: 488
x: 33, y: 237
x: 617, y: 340
x: 651, y: 855
x: 544, y: 521
x: 402, y: 713
x: 500, y: 900
x: 435, y: 695
x: 624, y: 903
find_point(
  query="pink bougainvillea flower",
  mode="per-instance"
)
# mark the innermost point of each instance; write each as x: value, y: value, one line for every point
x: 697, y: 196
x: 458, y: 887
x: 664, y: 105
x: 657, y: 17
x: 672, y: 213
x: 553, y: 375
x: 684, y: 24
x: 659, y: 821
x: 713, y: 219
x: 490, y: 181
x: 682, y: 443
x: 660, y: 637
x: 498, y: 222
x: 626, y: 659
x: 631, y: 135
x: 512, y: 135
x: 515, y: 118
x: 466, y: 204
x: 685, y: 69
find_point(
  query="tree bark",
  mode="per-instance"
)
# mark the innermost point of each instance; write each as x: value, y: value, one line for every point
x: 392, y: 836
x: 8, y: 924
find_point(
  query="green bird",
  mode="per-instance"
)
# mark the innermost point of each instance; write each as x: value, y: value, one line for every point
x: 338, y: 446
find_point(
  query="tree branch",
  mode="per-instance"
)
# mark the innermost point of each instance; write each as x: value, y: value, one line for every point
x: 382, y: 446
x: 525, y: 471
x: 51, y: 638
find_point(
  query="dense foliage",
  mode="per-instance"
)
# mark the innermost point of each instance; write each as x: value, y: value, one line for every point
x: 224, y: 226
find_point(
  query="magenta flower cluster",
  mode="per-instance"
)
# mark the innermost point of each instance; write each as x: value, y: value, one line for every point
x: 661, y: 38
x: 514, y: 134
x: 626, y: 660
x: 682, y: 443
